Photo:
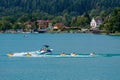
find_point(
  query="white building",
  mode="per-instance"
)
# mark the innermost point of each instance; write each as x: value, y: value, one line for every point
x: 95, y: 23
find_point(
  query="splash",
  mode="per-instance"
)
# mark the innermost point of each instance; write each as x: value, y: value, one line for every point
x: 35, y: 54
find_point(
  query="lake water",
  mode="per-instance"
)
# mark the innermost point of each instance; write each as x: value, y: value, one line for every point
x: 24, y: 68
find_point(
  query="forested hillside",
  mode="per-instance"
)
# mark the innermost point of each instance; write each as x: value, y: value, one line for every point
x: 56, y: 7
x: 73, y: 13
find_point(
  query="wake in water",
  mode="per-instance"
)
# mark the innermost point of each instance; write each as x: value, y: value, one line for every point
x: 35, y: 54
x: 46, y: 52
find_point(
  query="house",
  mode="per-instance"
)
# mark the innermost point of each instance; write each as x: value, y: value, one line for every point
x: 95, y: 23
x: 43, y: 25
x: 28, y: 25
x: 59, y: 26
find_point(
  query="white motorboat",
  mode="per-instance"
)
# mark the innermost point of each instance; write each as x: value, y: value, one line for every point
x: 43, y: 51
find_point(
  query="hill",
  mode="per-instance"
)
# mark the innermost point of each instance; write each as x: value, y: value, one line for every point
x: 56, y: 7
x: 14, y: 14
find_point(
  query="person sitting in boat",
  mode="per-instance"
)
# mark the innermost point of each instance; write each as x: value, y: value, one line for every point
x: 10, y: 54
x: 92, y: 54
x: 28, y: 55
x: 45, y: 50
x: 73, y: 54
x: 63, y: 54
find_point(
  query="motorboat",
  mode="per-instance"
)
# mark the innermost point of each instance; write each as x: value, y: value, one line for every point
x: 44, y: 51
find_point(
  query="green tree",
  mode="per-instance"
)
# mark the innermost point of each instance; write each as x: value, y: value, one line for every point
x: 6, y: 25
x: 113, y: 23
x: 81, y: 21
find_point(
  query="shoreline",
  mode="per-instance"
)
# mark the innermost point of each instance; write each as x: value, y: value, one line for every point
x: 59, y: 32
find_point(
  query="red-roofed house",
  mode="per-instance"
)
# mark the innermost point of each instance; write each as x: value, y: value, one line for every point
x: 42, y: 24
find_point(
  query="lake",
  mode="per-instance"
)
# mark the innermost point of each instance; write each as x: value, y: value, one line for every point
x: 24, y: 68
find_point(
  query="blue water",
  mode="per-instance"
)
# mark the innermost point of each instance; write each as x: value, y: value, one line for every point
x: 23, y: 68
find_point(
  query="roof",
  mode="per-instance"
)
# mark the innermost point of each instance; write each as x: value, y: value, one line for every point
x: 98, y: 20
x: 59, y: 25
x: 43, y: 21
x: 29, y: 23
